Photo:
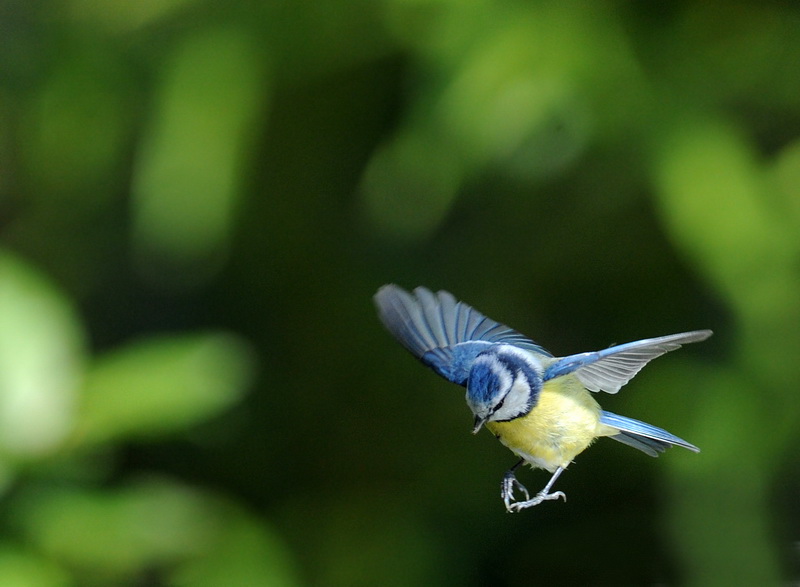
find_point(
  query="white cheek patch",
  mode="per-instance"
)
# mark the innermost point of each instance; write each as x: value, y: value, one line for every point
x: 503, y: 374
x: 516, y: 400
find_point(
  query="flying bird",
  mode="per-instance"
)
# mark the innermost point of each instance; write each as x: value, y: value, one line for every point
x: 540, y: 406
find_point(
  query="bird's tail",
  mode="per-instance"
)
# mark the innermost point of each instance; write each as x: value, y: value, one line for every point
x: 646, y: 437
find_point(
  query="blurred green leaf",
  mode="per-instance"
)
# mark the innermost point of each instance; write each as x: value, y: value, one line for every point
x: 162, y: 385
x: 194, y: 150
x: 244, y: 552
x: 155, y: 524
x: 410, y: 185
x: 19, y: 568
x: 713, y: 197
x: 728, y: 481
x: 127, y: 15
x: 721, y: 207
x: 116, y: 532
x: 41, y: 361
x: 505, y: 95
x: 787, y: 181
x: 75, y: 127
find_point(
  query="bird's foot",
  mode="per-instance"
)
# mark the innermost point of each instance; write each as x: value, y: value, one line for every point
x: 509, y: 485
x: 518, y: 506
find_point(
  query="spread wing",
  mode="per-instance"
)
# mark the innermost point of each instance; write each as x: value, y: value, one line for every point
x: 608, y: 370
x: 442, y: 332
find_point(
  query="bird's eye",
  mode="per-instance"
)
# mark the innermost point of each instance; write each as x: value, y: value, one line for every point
x: 499, y: 405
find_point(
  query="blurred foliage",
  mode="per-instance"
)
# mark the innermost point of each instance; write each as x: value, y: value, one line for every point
x: 198, y: 201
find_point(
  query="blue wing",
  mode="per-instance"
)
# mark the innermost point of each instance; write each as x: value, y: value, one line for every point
x: 442, y: 332
x: 646, y: 437
x: 608, y: 370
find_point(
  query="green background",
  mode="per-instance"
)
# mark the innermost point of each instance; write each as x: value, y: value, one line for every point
x: 199, y: 199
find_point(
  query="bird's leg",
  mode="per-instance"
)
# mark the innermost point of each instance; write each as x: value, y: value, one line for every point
x: 543, y: 495
x: 510, y: 484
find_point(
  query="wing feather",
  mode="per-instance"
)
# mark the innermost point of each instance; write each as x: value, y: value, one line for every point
x: 442, y: 332
x: 608, y: 370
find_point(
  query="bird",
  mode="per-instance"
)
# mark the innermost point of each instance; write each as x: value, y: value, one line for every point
x: 539, y: 406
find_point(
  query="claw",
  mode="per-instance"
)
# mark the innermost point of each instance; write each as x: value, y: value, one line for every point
x: 509, y: 486
x: 537, y: 499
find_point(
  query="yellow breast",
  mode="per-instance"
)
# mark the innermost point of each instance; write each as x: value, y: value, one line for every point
x: 564, y: 422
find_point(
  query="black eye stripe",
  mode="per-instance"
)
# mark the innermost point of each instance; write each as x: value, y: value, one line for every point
x: 499, y: 405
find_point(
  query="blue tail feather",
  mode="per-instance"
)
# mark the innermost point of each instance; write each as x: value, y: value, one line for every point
x: 645, y: 437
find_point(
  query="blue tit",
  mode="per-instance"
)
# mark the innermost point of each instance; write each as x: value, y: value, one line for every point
x: 537, y: 405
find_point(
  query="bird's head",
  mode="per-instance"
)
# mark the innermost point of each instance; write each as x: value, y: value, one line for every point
x: 503, y: 384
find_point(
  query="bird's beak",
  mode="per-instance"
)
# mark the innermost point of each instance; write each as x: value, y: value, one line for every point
x: 478, y: 424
